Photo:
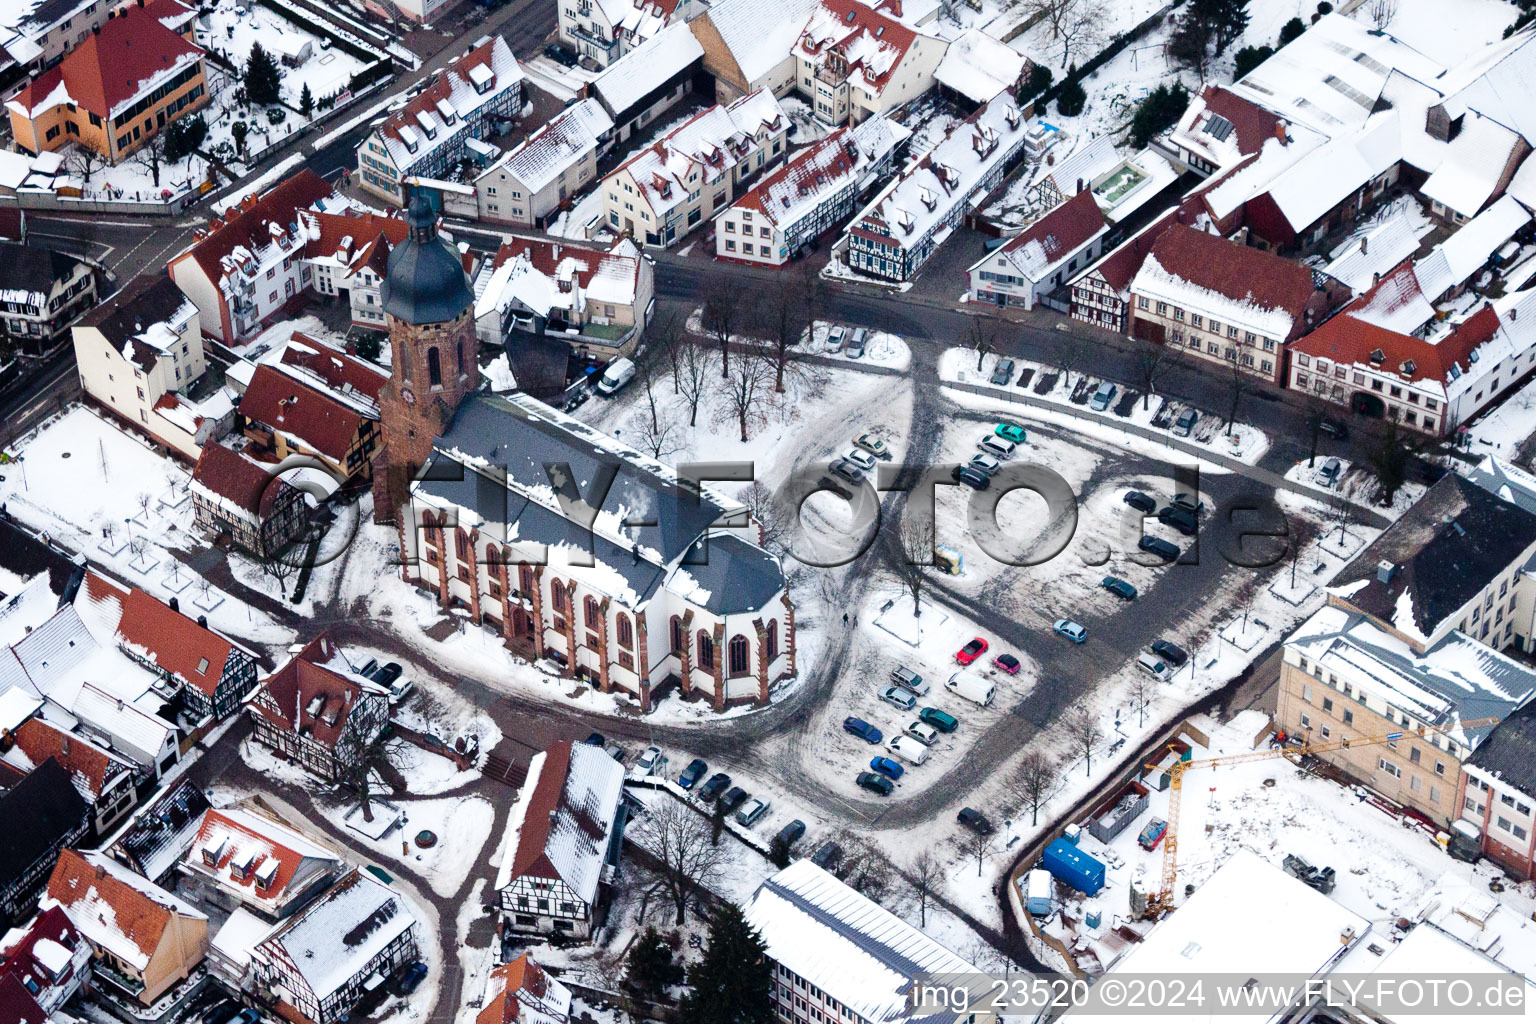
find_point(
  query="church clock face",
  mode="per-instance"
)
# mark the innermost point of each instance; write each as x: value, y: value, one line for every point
x: 408, y: 396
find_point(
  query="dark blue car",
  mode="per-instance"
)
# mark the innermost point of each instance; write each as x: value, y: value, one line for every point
x: 885, y: 766
x: 862, y: 729
x: 692, y: 774
x: 410, y: 978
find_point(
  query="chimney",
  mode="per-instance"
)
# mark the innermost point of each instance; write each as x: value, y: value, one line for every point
x: 1365, y: 245
x: 202, y: 620
x: 1385, y: 570
x: 1375, y: 278
x: 1280, y: 131
x: 175, y: 604
x: 1079, y: 185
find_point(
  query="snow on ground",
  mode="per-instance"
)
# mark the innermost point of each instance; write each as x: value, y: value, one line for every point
x: 1425, y: 26
x: 426, y: 773
x: 1272, y: 809
x: 462, y: 825
x: 1241, y: 442
x: 232, y: 27
x: 1505, y: 430
x: 880, y: 349
x: 104, y: 493
x: 807, y: 128
x: 1358, y: 484
x: 929, y: 119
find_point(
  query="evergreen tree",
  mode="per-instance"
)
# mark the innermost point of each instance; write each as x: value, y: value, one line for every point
x: 262, y: 79
x: 732, y: 981
x: 239, y: 130
x: 1158, y: 112
x: 1291, y: 29
x: 778, y: 852
x: 306, y: 102
x: 1228, y: 19
x: 1250, y: 57
x: 368, y: 347
x: 1039, y: 80
x: 1324, y: 8
x: 1071, y: 100
x: 651, y: 970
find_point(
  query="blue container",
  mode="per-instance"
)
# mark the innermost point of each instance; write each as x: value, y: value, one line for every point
x: 1069, y: 865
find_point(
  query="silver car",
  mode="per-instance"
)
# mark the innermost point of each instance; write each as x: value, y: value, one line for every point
x: 897, y: 697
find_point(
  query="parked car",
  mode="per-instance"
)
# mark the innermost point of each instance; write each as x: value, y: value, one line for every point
x: 618, y: 375
x: 1002, y: 373
x: 692, y: 774
x: 1153, y: 666
x: 972, y: 478
x: 909, y: 680
x: 734, y: 798
x: 1140, y: 502
x: 872, y: 444
x: 222, y: 1012
x: 973, y: 649
x: 924, y: 733
x: 984, y: 464
x: 406, y: 982
x: 836, y: 335
x: 827, y: 855
x: 974, y: 820
x: 847, y: 470
x: 1170, y: 652
x: 561, y: 54
x: 616, y: 752
x: 1153, y: 834
x: 1333, y: 428
x: 718, y: 783
x: 1119, y: 587
x: 899, y: 698
x: 1190, y: 503
x: 885, y: 766
x: 389, y: 678
x: 908, y: 749
x: 1102, y: 397
x: 1071, y: 630
x: 1328, y: 474
x: 1179, y: 519
x: 940, y: 720
x: 1159, y: 547
x: 752, y: 811
x: 1009, y: 432
x: 859, y: 457
x: 595, y: 740
x: 1184, y: 423
x: 386, y: 674
x: 369, y: 668
x: 856, y: 342
x: 875, y: 783
x: 997, y: 447
x: 1008, y: 663
x: 862, y: 729
x: 790, y: 834
x: 651, y: 761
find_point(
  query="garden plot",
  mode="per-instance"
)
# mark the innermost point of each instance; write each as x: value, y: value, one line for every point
x: 460, y: 824
x: 232, y: 27
x: 104, y: 493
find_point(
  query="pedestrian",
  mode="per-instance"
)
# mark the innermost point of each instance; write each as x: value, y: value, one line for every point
x: 845, y: 618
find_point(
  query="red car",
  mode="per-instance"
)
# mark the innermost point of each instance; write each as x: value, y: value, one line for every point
x: 971, y: 651
x: 1008, y: 663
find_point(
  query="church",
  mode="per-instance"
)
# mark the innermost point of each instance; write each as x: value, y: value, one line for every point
x: 575, y: 548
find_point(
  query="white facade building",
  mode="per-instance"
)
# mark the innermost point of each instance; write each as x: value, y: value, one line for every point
x: 535, y: 180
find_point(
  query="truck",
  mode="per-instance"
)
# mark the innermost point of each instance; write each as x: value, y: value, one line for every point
x: 972, y: 687
x: 1038, y: 894
x: 1071, y: 866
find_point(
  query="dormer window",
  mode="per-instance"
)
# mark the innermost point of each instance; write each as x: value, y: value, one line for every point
x: 1378, y: 356
x: 240, y: 867
x: 1408, y: 367
x: 212, y: 852
x: 266, y: 874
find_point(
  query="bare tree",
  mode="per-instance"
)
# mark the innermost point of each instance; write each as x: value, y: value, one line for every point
x: 864, y: 868
x: 656, y: 435
x: 363, y: 764
x: 1382, y: 12
x: 1069, y: 22
x: 651, y: 368
x: 1152, y: 365
x: 137, y: 546
x: 720, y: 319
x: 1034, y: 776
x: 783, y: 319
x: 679, y: 839
x: 981, y: 336
x: 664, y: 341
x: 1239, y: 384
x: 976, y: 843
x: 923, y: 878
x: 151, y: 156
x: 84, y: 162
x: 1083, y: 727
x: 1143, y: 690
x: 1073, y: 351
x: 769, y: 512
x: 746, y: 384
x: 278, y: 564
x: 692, y: 375
x: 907, y: 554
x: 812, y: 292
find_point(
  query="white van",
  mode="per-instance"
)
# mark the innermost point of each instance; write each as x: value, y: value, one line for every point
x: 619, y: 373
x: 908, y: 749
x: 972, y: 687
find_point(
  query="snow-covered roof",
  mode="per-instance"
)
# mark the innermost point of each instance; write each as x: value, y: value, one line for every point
x: 1053, y: 239
x: 711, y: 144
x: 1255, y: 175
x: 336, y: 937
x: 1462, y: 907
x: 1395, y: 303
x: 522, y: 992
x: 948, y: 176
x: 1473, y: 166
x: 562, y: 824
x: 1222, y: 127
x: 1212, y: 933
x: 845, y: 158
x: 470, y: 84
x: 1473, y: 244
x: 1084, y: 166
x: 259, y: 859
x: 1321, y: 178
x: 565, y: 140
x: 868, y: 45
x: 237, y: 940
x: 543, y: 276
x: 979, y: 67
x: 16, y: 706
x: 1330, y: 76
x: 759, y: 35
x: 628, y: 79
x: 114, y: 908
x: 1498, y: 83
x: 1376, y: 251
x: 853, y: 949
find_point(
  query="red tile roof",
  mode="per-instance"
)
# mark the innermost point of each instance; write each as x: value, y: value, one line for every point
x: 89, y: 766
x: 439, y: 87
x: 310, y: 697
x: 232, y: 476
x: 111, y: 66
x: 246, y: 225
x: 807, y: 172
x: 17, y: 1005
x: 1240, y: 272
x: 368, y: 234
x: 139, y: 918
x: 1251, y: 123
x: 521, y: 975
x: 243, y: 836
x: 1064, y: 229
x: 337, y: 369
x: 542, y: 802
x: 1348, y: 341
x: 849, y: 20
x: 283, y: 402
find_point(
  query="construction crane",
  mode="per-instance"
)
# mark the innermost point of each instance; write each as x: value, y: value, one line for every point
x: 1162, y: 902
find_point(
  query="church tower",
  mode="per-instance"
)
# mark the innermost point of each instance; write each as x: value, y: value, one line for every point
x: 430, y: 314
